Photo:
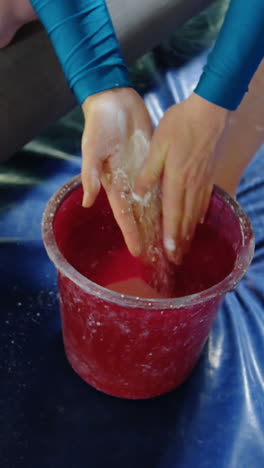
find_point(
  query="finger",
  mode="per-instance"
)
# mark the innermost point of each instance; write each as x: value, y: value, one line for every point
x: 198, y: 181
x: 172, y: 208
x: 92, y: 163
x: 194, y: 197
x: 122, y: 208
x: 193, y: 203
x: 152, y: 168
x: 206, y: 202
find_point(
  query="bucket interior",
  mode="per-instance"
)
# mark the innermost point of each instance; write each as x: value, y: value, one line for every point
x: 92, y: 243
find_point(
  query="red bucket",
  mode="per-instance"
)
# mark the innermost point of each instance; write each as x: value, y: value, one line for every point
x: 128, y: 346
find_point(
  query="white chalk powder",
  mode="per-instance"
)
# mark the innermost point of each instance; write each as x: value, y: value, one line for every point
x: 169, y: 244
x: 147, y: 212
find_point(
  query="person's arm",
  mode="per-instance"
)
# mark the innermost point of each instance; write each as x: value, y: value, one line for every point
x: 236, y: 55
x: 25, y: 112
x: 184, y: 146
x: 83, y: 37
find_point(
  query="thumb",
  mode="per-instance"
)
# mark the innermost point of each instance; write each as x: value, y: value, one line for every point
x: 92, y: 164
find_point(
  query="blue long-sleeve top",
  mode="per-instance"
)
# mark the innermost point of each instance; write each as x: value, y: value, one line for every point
x: 236, y: 55
x: 84, y: 39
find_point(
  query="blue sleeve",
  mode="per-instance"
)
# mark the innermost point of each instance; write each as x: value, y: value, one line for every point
x: 83, y: 37
x: 236, y: 55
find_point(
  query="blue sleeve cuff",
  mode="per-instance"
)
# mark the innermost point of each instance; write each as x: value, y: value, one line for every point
x: 219, y: 91
x: 104, y: 78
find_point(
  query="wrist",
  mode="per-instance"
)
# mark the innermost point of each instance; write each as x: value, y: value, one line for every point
x: 109, y: 93
x: 207, y: 113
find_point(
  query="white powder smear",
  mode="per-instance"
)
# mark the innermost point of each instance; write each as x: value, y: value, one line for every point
x: 169, y: 244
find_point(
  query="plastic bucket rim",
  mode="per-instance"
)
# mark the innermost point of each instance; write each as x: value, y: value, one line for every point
x: 62, y: 265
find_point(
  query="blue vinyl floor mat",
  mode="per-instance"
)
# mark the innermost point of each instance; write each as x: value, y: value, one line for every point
x: 48, y: 416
